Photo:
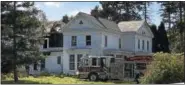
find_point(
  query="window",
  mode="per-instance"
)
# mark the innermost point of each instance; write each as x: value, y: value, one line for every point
x: 79, y: 56
x: 42, y: 64
x: 35, y: 66
x: 94, y: 61
x: 88, y: 40
x: 102, y: 62
x: 59, y: 60
x: 119, y: 42
x: 86, y: 62
x: 143, y: 46
x: 147, y: 45
x: 73, y: 41
x: 45, y: 44
x: 112, y: 60
x: 105, y: 41
x: 138, y: 44
x: 72, y: 62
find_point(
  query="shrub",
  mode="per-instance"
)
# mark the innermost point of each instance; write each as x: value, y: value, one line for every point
x: 165, y: 68
x: 11, y: 76
x: 45, y: 74
x: 7, y: 76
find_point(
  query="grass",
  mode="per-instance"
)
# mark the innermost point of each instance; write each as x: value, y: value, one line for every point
x: 53, y: 79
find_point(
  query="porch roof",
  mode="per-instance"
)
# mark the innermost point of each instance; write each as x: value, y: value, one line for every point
x: 114, y: 51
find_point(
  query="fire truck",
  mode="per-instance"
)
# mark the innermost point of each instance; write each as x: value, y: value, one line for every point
x: 105, y: 68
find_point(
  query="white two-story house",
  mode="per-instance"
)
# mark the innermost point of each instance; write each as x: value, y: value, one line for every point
x: 86, y: 35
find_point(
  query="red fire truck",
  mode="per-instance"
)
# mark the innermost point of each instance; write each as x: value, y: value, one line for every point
x: 107, y: 67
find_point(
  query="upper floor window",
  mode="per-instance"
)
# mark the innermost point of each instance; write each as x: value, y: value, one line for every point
x: 119, y: 42
x: 138, y: 44
x: 73, y: 41
x: 143, y: 44
x: 105, y: 41
x: 88, y: 40
x: 147, y: 45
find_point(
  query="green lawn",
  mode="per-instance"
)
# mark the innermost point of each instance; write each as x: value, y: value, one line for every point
x: 56, y: 80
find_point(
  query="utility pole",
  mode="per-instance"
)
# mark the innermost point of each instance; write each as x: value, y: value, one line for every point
x: 14, y: 43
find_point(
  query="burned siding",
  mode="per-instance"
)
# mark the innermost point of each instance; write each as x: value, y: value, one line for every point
x: 56, y: 40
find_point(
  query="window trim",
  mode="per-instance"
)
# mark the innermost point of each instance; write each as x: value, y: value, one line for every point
x: 73, y: 41
x: 88, y: 41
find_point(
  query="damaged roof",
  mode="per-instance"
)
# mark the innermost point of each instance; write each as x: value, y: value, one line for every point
x: 54, y: 26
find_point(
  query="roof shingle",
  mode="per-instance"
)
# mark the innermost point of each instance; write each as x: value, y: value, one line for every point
x: 130, y: 26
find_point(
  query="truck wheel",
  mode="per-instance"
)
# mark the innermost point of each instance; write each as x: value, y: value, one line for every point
x: 93, y: 77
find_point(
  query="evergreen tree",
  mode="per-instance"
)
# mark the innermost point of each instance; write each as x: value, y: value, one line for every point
x: 169, y: 12
x: 22, y: 31
x: 95, y: 12
x: 65, y: 19
x: 145, y: 7
x: 121, y: 10
x: 155, y: 40
x: 163, y: 39
x: 172, y: 15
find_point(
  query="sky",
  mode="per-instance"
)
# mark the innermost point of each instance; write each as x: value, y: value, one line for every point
x: 56, y: 10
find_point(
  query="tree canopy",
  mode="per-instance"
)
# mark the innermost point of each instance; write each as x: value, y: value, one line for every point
x: 22, y: 32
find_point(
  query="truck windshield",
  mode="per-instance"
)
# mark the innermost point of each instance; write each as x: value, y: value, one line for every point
x: 102, y: 62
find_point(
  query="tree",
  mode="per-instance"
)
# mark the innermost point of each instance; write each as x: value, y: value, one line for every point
x: 175, y: 44
x: 22, y: 32
x: 95, y: 12
x: 172, y: 14
x: 65, y: 19
x: 155, y: 40
x: 121, y: 10
x: 168, y: 12
x: 145, y: 9
x: 163, y: 39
